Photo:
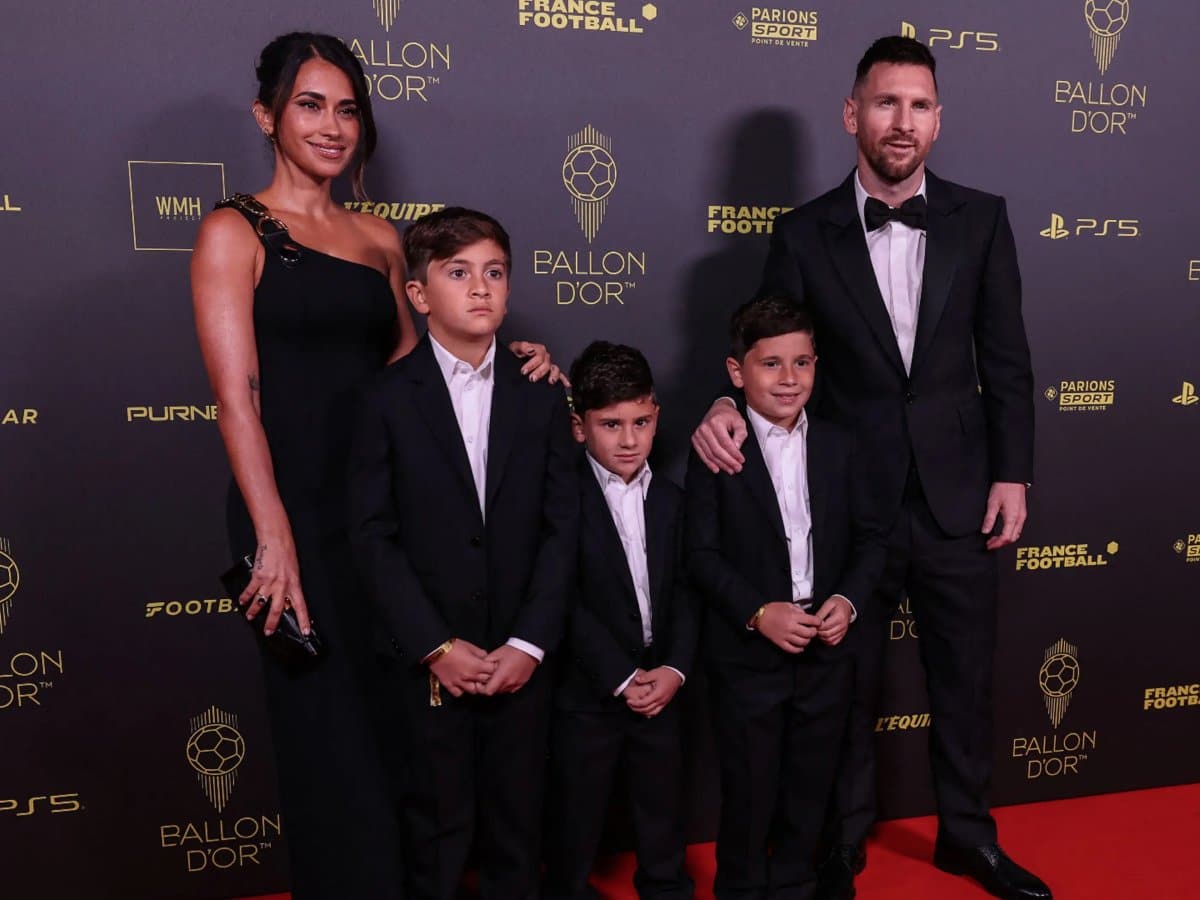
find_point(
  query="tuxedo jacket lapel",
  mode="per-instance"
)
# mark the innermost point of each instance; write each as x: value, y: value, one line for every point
x: 943, y: 249
x: 758, y: 481
x: 507, y: 406
x: 602, y: 530
x: 659, y: 551
x: 433, y: 402
x: 848, y: 249
x: 819, y: 465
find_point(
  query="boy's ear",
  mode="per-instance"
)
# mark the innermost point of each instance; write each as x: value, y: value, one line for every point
x: 577, y: 427
x: 734, y: 368
x: 416, y: 296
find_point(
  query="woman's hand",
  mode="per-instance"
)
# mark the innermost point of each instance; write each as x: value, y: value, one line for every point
x: 537, y: 362
x: 275, y: 580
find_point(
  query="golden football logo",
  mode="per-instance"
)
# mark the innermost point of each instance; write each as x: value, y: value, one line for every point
x: 1106, y: 19
x: 10, y: 580
x: 386, y: 11
x: 589, y: 174
x: 1058, y: 677
x: 215, y: 750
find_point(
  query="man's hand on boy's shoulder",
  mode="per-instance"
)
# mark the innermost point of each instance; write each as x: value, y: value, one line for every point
x: 463, y: 669
x: 718, y: 439
x: 787, y: 626
x: 659, y: 687
x: 835, y: 616
x: 513, y: 668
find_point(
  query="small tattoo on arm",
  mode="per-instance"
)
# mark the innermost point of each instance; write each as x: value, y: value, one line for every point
x: 258, y: 556
x: 255, y: 384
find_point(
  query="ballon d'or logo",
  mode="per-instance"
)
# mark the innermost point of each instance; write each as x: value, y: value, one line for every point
x: 1106, y: 19
x: 589, y: 174
x: 1058, y: 677
x: 215, y: 750
x: 10, y: 580
x: 386, y: 11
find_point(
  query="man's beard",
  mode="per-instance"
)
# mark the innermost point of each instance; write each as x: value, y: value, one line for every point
x: 892, y: 172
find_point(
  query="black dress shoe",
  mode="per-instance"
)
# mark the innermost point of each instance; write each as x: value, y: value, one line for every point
x: 835, y: 877
x: 991, y: 867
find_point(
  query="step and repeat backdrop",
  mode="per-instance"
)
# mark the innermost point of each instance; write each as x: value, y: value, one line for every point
x: 638, y: 154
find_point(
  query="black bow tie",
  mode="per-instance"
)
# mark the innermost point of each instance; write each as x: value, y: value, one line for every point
x: 911, y: 213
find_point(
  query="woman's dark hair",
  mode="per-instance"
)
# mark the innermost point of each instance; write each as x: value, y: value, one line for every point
x: 277, y: 66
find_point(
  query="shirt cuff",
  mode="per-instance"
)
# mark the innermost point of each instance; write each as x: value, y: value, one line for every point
x: 732, y: 402
x: 853, y: 611
x: 624, y: 684
x: 525, y: 647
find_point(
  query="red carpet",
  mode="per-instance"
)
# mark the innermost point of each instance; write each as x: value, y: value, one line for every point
x: 1137, y: 845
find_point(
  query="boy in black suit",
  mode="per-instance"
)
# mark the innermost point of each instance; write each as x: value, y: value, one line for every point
x: 780, y: 553
x: 630, y: 641
x: 464, y: 512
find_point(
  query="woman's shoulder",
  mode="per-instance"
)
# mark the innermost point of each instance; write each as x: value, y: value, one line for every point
x: 226, y: 230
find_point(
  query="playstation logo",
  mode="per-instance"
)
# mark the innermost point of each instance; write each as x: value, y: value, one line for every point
x: 1187, y: 396
x: 1056, y: 231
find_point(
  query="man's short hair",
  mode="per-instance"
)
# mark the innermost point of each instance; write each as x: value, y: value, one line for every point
x: 895, y: 49
x: 444, y: 232
x: 606, y: 373
x: 767, y: 316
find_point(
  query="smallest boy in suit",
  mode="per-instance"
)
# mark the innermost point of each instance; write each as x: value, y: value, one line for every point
x: 780, y: 552
x: 630, y: 641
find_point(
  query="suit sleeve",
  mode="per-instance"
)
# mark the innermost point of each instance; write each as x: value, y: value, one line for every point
x: 781, y: 273
x: 414, y: 623
x: 715, y: 580
x: 1002, y: 357
x: 598, y: 652
x: 543, y: 616
x: 685, y: 621
x: 868, y: 533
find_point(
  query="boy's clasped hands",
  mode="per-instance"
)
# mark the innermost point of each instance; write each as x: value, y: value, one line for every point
x: 790, y: 628
x: 467, y: 669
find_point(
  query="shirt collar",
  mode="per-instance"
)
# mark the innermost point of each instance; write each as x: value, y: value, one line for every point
x: 448, y: 362
x: 605, y: 477
x: 861, y: 195
x: 763, y: 428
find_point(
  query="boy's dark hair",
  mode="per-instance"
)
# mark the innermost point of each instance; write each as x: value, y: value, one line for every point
x: 767, y: 316
x: 606, y: 373
x: 442, y: 233
x: 895, y: 49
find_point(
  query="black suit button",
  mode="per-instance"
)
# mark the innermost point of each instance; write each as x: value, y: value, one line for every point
x: 476, y: 597
x: 476, y: 542
x: 910, y: 397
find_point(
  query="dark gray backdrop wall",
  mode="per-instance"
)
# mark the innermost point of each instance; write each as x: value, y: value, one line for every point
x: 637, y: 153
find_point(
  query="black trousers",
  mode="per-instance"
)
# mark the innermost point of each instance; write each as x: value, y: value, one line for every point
x: 589, y: 748
x: 473, y: 777
x: 951, y: 585
x: 778, y: 735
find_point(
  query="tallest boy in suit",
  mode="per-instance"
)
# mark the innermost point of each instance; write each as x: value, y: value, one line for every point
x: 913, y: 285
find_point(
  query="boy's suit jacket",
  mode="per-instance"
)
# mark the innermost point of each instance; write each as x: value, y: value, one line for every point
x: 434, y: 567
x: 737, y: 550
x: 605, y: 632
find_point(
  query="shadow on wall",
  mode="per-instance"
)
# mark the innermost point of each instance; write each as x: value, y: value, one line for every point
x: 762, y: 158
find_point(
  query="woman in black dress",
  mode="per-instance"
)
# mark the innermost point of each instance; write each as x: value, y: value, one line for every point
x: 285, y: 347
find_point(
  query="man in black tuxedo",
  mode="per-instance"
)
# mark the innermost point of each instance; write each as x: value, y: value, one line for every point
x: 914, y: 287
x: 464, y: 516
x: 630, y: 641
x: 781, y: 552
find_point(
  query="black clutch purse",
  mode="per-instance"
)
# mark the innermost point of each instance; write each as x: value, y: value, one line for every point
x: 288, y: 644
